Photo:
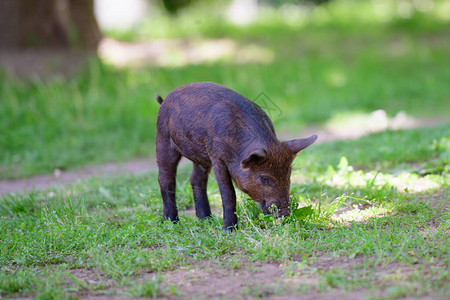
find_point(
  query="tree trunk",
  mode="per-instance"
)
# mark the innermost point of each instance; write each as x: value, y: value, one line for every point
x: 83, y: 19
x: 48, y: 24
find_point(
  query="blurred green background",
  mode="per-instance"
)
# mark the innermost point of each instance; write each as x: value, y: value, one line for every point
x: 318, y: 64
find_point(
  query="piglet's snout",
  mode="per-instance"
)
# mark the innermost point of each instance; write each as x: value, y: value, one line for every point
x: 277, y: 210
x: 284, y: 212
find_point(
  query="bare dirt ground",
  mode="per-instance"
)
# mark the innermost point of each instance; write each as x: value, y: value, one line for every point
x: 262, y: 280
x: 60, y: 178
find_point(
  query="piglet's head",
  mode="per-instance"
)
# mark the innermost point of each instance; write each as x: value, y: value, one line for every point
x: 265, y: 174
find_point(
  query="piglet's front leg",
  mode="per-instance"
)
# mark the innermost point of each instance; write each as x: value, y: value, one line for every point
x: 228, y: 195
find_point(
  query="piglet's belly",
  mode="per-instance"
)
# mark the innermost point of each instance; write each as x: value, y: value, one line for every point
x: 194, y: 152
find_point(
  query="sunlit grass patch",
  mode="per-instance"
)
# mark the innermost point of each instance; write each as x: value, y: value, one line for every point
x: 413, y: 151
x: 357, y: 214
x: 347, y: 176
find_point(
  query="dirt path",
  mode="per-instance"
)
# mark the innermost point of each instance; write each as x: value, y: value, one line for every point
x: 245, y: 279
x: 143, y: 165
x: 57, y: 178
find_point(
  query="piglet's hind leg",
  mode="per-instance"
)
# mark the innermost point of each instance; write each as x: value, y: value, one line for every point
x: 168, y: 159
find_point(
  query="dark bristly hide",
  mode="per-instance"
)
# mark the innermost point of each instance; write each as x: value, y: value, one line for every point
x: 218, y: 128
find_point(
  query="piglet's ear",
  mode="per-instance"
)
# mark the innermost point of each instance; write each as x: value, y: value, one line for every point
x: 298, y: 145
x: 254, y: 158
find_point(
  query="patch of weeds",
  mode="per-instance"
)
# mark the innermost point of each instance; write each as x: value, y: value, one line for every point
x: 232, y: 263
x: 387, y: 152
x: 152, y: 288
x: 17, y: 282
x: 421, y: 280
x: 50, y: 292
x: 397, y: 291
x: 347, y: 177
x: 259, y: 291
x: 434, y: 280
x: 126, y: 261
x: 440, y: 164
x: 303, y: 210
x: 300, y: 214
x: 318, y: 210
x: 348, y: 280
x: 11, y: 205
x: 36, y: 282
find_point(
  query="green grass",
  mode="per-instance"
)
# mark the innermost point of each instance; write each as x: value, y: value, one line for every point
x: 370, y: 215
x: 338, y: 59
x: 112, y: 229
x: 402, y: 150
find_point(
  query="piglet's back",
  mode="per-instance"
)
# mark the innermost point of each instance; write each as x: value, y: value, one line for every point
x: 210, y: 108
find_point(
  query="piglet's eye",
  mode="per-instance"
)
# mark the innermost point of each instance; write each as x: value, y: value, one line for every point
x: 266, y: 180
